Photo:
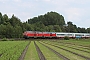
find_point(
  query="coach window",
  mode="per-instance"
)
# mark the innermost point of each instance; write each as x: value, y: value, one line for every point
x: 60, y: 34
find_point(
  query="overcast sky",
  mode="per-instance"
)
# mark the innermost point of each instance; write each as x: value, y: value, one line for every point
x: 76, y: 11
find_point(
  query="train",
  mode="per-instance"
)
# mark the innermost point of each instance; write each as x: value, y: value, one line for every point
x: 38, y: 34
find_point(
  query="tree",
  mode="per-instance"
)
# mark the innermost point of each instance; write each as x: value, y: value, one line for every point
x: 88, y: 30
x: 27, y: 27
x: 50, y: 22
x: 50, y: 28
x: 15, y: 21
x: 0, y: 18
x: 51, y: 18
x: 81, y: 30
x: 71, y: 27
x: 17, y: 33
x: 9, y: 31
x: 43, y: 22
x: 5, y: 19
x: 57, y: 28
x: 2, y: 31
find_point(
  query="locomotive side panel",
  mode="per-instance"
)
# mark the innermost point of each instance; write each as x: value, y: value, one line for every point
x: 36, y: 34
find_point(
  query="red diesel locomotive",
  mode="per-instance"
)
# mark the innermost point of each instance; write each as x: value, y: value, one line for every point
x: 36, y: 34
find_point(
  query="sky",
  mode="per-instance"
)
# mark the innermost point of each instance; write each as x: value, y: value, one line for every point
x: 76, y: 11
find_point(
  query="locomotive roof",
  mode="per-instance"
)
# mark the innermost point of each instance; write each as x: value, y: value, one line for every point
x: 58, y: 32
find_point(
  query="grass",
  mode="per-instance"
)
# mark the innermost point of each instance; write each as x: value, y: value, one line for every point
x: 70, y: 45
x: 65, y: 53
x: 76, y: 51
x: 31, y: 52
x: 49, y: 55
x: 85, y: 42
x: 11, y: 50
x: 74, y: 46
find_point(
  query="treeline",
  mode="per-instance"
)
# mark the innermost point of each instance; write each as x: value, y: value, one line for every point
x: 54, y: 22
x: 51, y: 22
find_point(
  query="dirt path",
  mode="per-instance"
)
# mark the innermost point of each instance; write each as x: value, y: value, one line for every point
x: 24, y: 52
x: 41, y: 56
x: 59, y: 55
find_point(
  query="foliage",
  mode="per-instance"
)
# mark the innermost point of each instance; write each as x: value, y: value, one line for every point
x: 66, y: 38
x: 4, y: 39
x: 51, y: 18
x: 10, y: 27
x: 88, y: 30
x: 50, y: 22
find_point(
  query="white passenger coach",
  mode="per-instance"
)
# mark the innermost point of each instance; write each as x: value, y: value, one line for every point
x: 73, y: 35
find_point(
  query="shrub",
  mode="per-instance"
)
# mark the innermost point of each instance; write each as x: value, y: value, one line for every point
x: 66, y: 38
x: 4, y: 39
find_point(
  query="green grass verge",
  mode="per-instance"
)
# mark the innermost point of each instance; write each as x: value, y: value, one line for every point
x: 69, y: 45
x: 70, y: 49
x: 49, y: 55
x: 65, y: 53
x: 74, y: 46
x: 11, y: 50
x: 85, y: 42
x: 31, y: 52
x: 76, y: 51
